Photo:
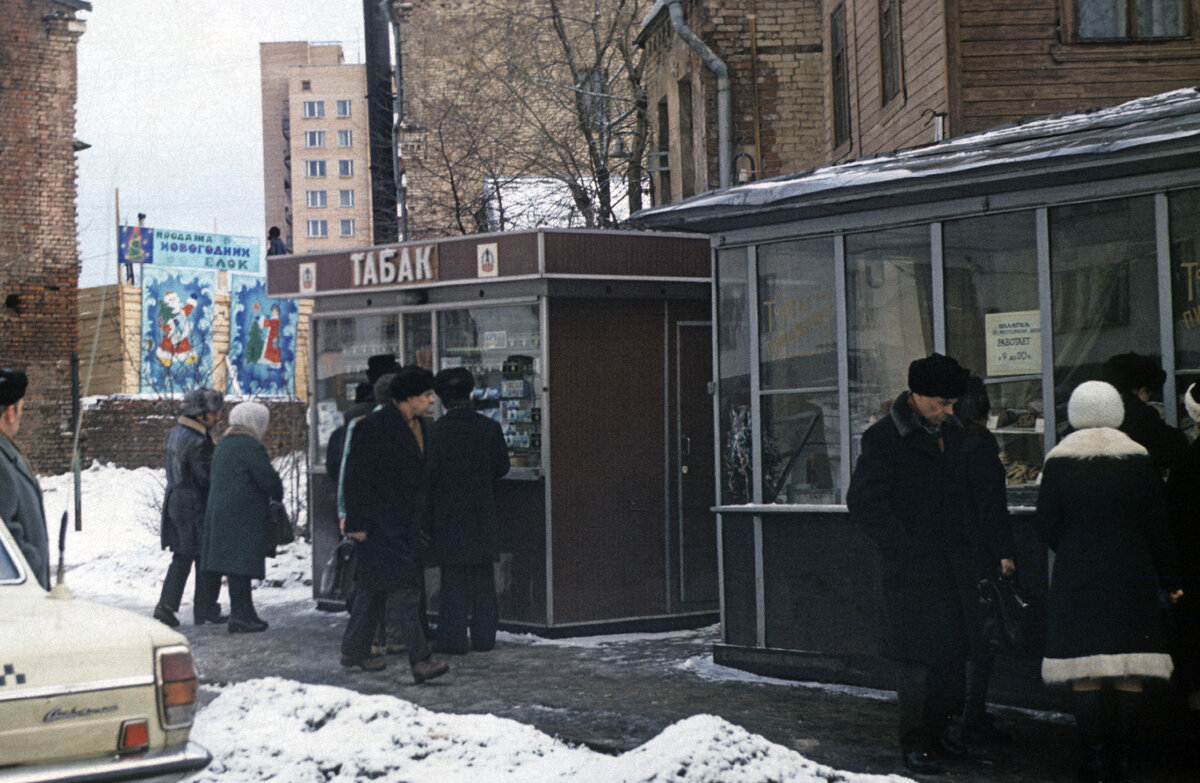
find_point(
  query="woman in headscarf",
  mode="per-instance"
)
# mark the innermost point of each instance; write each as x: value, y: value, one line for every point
x: 1101, y: 509
x: 235, y: 523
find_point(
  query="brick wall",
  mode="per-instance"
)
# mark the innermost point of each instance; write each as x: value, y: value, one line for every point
x: 128, y: 431
x: 39, y: 259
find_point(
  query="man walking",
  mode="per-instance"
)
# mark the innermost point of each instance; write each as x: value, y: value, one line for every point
x: 187, y: 454
x: 901, y: 493
x: 20, y: 494
x: 384, y: 490
x: 465, y: 456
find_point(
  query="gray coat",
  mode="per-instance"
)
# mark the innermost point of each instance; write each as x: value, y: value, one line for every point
x: 22, y: 510
x: 187, y: 453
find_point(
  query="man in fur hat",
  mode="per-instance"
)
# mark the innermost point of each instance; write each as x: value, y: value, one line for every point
x: 1138, y: 378
x: 20, y: 493
x: 901, y: 493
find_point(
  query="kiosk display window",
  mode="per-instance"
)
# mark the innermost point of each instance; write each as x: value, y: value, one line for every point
x: 501, y: 346
x: 343, y: 346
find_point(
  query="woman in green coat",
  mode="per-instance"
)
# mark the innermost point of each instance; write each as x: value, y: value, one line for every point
x: 242, y: 483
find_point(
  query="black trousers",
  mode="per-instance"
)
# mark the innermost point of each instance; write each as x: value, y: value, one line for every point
x: 368, y: 609
x: 929, y: 696
x: 241, y: 604
x: 208, y: 586
x: 467, y: 592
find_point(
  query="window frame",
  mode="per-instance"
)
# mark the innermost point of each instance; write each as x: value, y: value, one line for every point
x: 345, y: 167
x: 344, y: 103
x: 314, y: 110
x: 839, y: 64
x: 319, y: 223
x: 342, y: 200
x: 314, y: 139
x: 310, y: 165
x: 347, y: 135
x: 891, y: 52
x: 344, y: 224
x: 1070, y: 15
x: 315, y: 199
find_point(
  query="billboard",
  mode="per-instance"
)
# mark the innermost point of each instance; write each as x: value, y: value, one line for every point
x: 189, y: 249
x: 262, y: 339
x: 177, y: 325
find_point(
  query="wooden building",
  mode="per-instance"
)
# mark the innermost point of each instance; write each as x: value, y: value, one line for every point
x: 591, y: 349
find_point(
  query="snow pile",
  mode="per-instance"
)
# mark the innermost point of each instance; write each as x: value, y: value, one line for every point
x: 282, y: 730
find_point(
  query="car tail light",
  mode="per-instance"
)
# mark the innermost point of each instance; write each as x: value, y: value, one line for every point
x: 177, y: 687
x: 135, y: 736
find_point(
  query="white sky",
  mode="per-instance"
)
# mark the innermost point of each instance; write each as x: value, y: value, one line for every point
x: 170, y: 100
x: 278, y: 729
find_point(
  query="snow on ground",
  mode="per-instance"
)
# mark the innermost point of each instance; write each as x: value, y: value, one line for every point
x: 276, y: 729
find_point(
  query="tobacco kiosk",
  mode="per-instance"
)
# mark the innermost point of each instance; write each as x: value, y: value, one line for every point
x: 593, y: 351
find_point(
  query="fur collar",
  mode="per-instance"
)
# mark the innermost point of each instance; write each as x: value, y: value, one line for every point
x: 1097, y: 442
x: 906, y: 420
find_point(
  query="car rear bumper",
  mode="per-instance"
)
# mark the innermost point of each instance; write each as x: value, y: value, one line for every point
x: 164, y: 766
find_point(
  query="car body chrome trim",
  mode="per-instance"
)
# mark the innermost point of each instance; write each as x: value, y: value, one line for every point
x: 96, y: 686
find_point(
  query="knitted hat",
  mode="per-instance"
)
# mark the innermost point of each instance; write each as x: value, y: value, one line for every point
x: 1191, y: 401
x: 254, y: 416
x: 937, y: 376
x: 1129, y: 371
x: 454, y: 384
x: 411, y: 381
x: 379, y: 365
x: 1095, y: 404
x: 12, y: 386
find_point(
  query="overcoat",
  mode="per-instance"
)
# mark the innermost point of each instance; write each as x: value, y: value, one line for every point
x: 22, y: 510
x: 1143, y: 423
x: 902, y: 494
x: 187, y: 455
x: 1101, y: 509
x: 384, y: 490
x: 235, y: 523
x: 464, y: 456
x: 981, y: 488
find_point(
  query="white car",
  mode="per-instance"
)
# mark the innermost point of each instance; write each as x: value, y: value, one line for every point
x: 88, y: 692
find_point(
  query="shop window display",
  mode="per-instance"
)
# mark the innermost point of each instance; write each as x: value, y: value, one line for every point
x: 733, y: 352
x: 797, y: 339
x: 343, y: 346
x: 993, y: 328
x: 501, y: 346
x: 889, y: 318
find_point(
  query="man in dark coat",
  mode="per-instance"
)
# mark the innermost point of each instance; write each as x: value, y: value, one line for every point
x: 902, y: 494
x: 384, y: 490
x: 465, y: 455
x: 20, y: 494
x: 187, y: 454
x: 1138, y: 378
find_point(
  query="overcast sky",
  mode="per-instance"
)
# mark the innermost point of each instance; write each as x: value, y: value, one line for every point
x: 170, y: 100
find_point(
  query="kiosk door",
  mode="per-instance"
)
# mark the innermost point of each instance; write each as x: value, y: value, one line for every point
x: 697, y: 524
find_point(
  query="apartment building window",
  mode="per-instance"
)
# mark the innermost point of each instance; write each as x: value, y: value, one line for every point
x: 314, y: 168
x: 660, y: 162
x: 347, y: 227
x: 318, y: 228
x: 343, y: 108
x: 345, y: 198
x: 314, y: 138
x: 1100, y: 20
x: 306, y: 85
x: 345, y: 138
x: 889, y: 49
x: 315, y: 198
x: 345, y: 168
x: 838, y: 71
x: 314, y: 109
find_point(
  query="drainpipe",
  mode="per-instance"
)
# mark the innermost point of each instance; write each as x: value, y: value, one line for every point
x: 721, y: 71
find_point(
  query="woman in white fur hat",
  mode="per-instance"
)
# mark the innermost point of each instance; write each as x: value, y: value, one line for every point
x: 1101, y: 508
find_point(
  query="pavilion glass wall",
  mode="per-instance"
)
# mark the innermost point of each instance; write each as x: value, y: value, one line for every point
x: 979, y: 288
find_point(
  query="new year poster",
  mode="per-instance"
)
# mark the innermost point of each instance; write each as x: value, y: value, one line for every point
x: 177, y: 323
x: 262, y: 339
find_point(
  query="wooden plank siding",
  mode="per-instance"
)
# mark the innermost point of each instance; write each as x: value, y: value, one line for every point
x: 876, y: 127
x: 1016, y: 61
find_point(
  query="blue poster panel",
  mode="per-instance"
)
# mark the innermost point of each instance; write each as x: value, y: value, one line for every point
x: 177, y: 326
x: 262, y: 338
x: 135, y: 245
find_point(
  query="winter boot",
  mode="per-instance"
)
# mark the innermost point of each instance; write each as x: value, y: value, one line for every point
x: 1088, y: 707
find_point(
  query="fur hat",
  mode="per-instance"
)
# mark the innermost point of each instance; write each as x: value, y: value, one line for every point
x: 12, y: 386
x: 1191, y: 402
x: 937, y: 376
x: 973, y: 404
x: 200, y: 401
x: 380, y: 365
x: 1095, y: 404
x: 411, y: 381
x: 454, y: 384
x: 1129, y: 371
x: 253, y: 416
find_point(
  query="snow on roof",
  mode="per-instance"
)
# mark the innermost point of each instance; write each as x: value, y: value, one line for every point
x: 1044, y: 142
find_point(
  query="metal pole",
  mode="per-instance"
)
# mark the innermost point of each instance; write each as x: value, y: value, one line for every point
x: 398, y: 9
x: 380, y: 122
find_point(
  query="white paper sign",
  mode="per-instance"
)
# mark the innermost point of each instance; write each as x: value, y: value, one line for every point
x: 1014, y: 343
x: 487, y: 260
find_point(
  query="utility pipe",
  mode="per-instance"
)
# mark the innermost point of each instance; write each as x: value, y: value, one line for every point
x: 724, y: 109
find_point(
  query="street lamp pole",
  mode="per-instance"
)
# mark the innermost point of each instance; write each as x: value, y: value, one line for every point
x: 398, y: 10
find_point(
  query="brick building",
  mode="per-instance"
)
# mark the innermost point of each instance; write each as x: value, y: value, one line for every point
x: 39, y: 257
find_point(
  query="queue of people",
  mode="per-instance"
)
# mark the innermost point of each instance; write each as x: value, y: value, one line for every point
x: 929, y: 489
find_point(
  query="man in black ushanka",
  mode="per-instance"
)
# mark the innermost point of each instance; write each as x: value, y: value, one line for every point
x: 902, y: 494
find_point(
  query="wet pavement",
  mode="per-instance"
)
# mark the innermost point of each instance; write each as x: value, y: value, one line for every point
x: 615, y: 693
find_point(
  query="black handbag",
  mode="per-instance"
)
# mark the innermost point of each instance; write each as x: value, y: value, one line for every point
x: 279, y: 527
x: 338, y: 576
x: 1012, y: 618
